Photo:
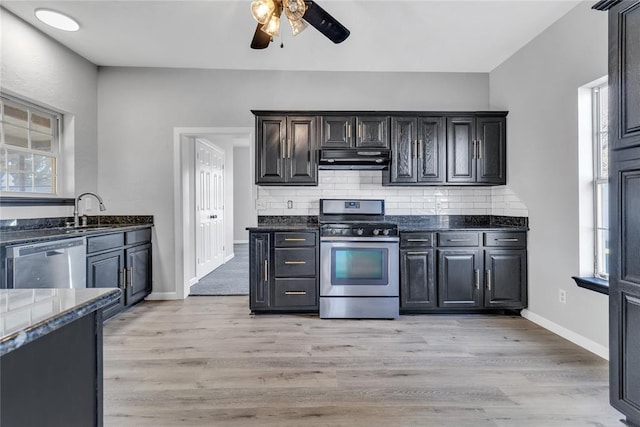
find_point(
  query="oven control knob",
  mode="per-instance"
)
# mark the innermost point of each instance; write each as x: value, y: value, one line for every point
x: 386, y: 232
x: 359, y: 231
x: 376, y: 232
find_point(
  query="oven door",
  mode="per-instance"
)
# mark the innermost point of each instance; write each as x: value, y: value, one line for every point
x: 359, y: 266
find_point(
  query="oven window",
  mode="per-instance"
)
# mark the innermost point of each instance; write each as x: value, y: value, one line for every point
x: 359, y: 266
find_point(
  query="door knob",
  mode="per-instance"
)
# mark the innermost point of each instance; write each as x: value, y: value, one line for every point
x: 213, y: 216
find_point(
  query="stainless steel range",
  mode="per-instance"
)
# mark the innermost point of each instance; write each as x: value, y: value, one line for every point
x: 358, y: 260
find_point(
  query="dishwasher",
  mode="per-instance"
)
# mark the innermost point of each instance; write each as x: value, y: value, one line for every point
x: 51, y: 264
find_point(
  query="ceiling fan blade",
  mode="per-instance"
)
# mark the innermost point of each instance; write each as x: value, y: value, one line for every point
x: 325, y: 23
x: 261, y: 39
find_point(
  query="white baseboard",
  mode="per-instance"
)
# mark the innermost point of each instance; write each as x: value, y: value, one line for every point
x: 162, y: 296
x: 567, y: 334
x: 240, y: 242
x: 229, y: 258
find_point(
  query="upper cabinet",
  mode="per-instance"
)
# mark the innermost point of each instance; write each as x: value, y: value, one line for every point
x: 417, y: 151
x: 347, y: 131
x: 286, y: 150
x: 476, y: 149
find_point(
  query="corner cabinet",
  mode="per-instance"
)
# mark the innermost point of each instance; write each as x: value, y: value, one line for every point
x: 624, y: 184
x: 476, y: 149
x: 120, y: 260
x: 286, y: 150
x: 459, y: 271
x: 283, y: 271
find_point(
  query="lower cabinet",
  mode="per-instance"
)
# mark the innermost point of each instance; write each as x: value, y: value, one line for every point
x: 460, y: 271
x: 283, y: 271
x: 120, y: 260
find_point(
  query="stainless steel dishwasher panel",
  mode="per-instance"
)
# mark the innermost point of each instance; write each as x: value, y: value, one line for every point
x: 52, y: 264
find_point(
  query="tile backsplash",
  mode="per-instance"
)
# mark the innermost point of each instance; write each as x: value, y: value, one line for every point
x: 398, y: 200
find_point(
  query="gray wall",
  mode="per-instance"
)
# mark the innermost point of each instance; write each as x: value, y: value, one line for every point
x: 539, y: 86
x: 37, y: 68
x: 139, y: 107
x: 242, y: 199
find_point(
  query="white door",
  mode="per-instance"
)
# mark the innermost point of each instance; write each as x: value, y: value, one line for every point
x: 209, y: 208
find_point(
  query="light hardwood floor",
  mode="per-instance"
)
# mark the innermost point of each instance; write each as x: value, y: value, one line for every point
x: 206, y: 361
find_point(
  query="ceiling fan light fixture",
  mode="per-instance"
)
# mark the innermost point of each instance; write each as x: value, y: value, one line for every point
x: 298, y: 26
x: 294, y: 9
x: 262, y: 10
x: 272, y: 26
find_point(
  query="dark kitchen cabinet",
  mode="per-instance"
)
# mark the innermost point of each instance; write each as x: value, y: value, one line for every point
x: 417, y: 272
x: 624, y: 221
x: 121, y: 260
x: 459, y: 278
x: 283, y: 271
x: 476, y: 149
x: 417, y: 151
x: 344, y: 131
x: 505, y: 273
x: 286, y: 150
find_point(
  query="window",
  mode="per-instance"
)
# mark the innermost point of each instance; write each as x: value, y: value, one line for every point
x: 601, y: 179
x: 29, y: 148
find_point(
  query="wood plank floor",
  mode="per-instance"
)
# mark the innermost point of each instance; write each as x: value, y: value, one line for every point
x: 206, y: 361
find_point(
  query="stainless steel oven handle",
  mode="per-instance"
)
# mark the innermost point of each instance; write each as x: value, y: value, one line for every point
x: 387, y: 239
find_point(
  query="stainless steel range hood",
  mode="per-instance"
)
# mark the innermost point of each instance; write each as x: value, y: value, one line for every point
x: 354, y: 159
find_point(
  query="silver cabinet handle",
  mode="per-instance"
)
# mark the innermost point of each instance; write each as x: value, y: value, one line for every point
x: 360, y: 130
x: 474, y: 149
x: 477, y: 273
x: 295, y: 262
x: 349, y: 132
x: 295, y: 292
x: 458, y: 240
x: 479, y: 149
x: 417, y: 253
x: 266, y: 270
x: 124, y: 278
x: 294, y: 239
x: 420, y: 148
x: 488, y: 274
x: 510, y: 239
x: 289, y: 149
x: 418, y: 240
x: 282, y: 149
x: 131, y: 277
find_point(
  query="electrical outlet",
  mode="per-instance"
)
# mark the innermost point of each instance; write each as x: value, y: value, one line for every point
x: 562, y: 296
x: 261, y: 204
x: 289, y: 204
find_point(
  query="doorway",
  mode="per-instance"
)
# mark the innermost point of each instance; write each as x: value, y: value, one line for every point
x: 185, y: 217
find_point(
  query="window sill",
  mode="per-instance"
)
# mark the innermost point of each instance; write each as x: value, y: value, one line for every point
x: 593, y: 283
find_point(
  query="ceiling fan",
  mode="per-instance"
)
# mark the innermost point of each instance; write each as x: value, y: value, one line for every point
x: 299, y: 13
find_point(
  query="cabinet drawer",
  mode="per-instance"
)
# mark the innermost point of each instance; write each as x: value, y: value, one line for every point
x: 284, y: 240
x: 138, y: 236
x: 462, y: 238
x: 505, y: 238
x: 295, y: 262
x: 295, y: 292
x: 410, y: 240
x: 104, y: 242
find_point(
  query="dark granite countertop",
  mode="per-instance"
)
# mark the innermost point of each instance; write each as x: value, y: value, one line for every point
x: 286, y: 223
x: 10, y: 237
x: 428, y: 227
x: 28, y: 314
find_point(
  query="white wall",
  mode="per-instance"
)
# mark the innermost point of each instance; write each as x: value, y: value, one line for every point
x: 539, y: 86
x: 37, y: 68
x: 138, y: 109
x: 242, y: 199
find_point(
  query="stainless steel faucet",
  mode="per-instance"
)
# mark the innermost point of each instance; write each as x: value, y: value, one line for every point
x: 76, y: 218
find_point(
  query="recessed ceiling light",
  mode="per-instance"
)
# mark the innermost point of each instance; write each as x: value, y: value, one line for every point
x: 57, y: 20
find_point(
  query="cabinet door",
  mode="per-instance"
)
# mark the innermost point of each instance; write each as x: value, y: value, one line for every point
x: 461, y: 163
x: 624, y: 75
x: 505, y: 278
x: 302, y: 162
x: 417, y: 279
x: 107, y: 271
x: 491, y: 150
x: 403, y: 157
x: 431, y: 150
x: 270, y: 150
x: 459, y: 278
x: 138, y: 264
x: 337, y: 132
x: 259, y: 270
x: 372, y: 132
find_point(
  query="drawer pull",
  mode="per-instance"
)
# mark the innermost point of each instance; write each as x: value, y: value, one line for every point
x: 418, y: 240
x: 294, y: 239
x: 458, y: 240
x: 510, y: 239
x: 295, y: 262
x: 295, y: 292
x: 417, y: 253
